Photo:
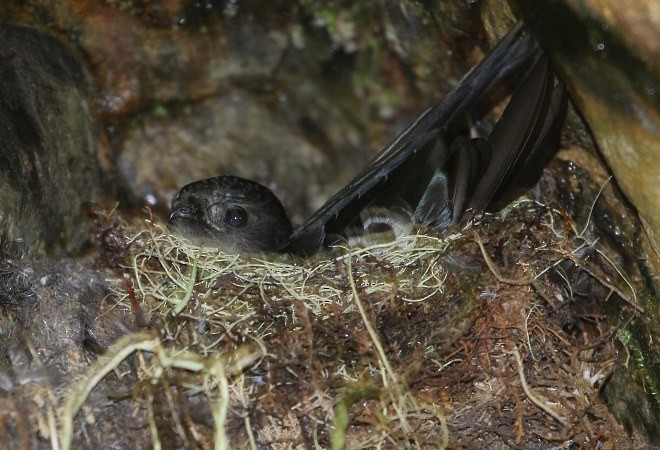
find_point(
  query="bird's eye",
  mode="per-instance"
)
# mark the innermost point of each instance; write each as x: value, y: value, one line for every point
x: 236, y: 217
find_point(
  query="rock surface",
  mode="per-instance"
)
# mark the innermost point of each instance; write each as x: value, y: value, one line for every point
x: 48, y: 161
x: 608, y: 56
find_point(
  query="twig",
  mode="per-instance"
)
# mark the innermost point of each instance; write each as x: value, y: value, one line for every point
x: 526, y: 281
x: 534, y: 399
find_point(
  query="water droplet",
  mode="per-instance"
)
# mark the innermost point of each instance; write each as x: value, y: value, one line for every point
x: 600, y: 47
x: 151, y: 199
x: 231, y: 8
x: 649, y: 90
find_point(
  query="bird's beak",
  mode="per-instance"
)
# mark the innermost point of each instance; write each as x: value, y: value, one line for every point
x: 180, y: 213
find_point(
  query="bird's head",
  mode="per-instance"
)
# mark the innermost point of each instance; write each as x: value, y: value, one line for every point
x: 231, y: 213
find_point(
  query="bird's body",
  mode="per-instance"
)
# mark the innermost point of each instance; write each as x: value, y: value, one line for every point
x: 430, y: 168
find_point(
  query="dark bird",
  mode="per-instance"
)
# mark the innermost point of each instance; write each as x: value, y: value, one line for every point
x: 432, y: 171
x: 232, y: 213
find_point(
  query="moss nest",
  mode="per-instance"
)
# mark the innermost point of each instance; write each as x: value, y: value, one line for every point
x: 492, y: 334
x: 425, y: 342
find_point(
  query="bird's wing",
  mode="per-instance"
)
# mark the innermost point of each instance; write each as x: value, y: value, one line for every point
x: 414, y: 144
x: 523, y: 139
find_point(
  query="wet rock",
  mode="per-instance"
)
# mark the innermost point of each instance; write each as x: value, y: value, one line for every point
x: 48, y: 168
x: 608, y: 55
x: 227, y: 134
x: 144, y: 52
x: 137, y: 64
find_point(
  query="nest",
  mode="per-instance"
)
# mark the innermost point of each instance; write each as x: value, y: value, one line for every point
x: 469, y: 340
